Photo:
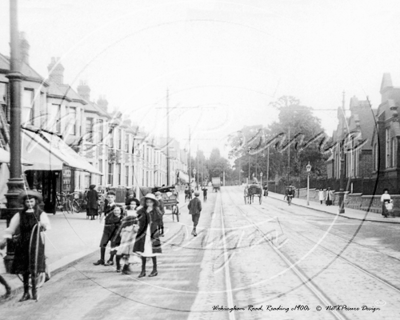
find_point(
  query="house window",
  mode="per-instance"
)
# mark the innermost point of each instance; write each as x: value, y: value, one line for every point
x: 56, y: 117
x: 111, y: 139
x: 110, y: 173
x: 126, y: 142
x: 133, y: 175
x: 73, y: 120
x: 393, y: 151
x: 100, y: 124
x: 89, y: 129
x: 127, y: 175
x: 119, y: 174
x: 387, y: 149
x: 119, y: 139
x: 43, y: 108
x: 28, y: 105
x: 101, y: 170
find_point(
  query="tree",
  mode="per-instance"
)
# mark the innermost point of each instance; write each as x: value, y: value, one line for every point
x: 217, y: 165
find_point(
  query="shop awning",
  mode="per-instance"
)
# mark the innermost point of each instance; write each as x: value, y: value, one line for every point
x: 50, y: 152
x: 5, y: 158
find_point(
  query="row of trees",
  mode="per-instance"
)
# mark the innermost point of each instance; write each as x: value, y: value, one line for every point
x: 281, y: 146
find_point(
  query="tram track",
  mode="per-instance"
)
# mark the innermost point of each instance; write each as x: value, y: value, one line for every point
x: 300, y: 274
x: 335, y: 254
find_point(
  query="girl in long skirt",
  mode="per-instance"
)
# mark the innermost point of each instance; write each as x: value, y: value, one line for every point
x: 127, y: 231
x: 147, y: 243
x: 29, y: 258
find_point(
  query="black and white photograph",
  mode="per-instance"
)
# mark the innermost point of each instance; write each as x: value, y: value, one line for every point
x: 199, y: 159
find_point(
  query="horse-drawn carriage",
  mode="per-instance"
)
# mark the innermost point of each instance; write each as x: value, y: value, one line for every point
x: 170, y: 201
x: 251, y: 191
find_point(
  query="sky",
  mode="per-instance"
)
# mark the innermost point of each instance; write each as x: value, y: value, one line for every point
x: 223, y: 62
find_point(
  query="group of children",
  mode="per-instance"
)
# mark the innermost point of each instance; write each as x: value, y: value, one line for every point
x: 124, y: 229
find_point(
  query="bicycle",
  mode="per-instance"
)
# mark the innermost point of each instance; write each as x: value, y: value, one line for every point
x: 63, y: 202
x: 77, y: 204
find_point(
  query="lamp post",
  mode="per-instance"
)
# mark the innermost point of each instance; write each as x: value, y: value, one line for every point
x: 341, y: 181
x: 15, y: 183
x: 308, y: 168
x: 261, y: 175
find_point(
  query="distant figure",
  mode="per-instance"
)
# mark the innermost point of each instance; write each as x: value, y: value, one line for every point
x: 265, y: 190
x: 92, y: 198
x: 329, y: 197
x: 162, y: 210
x: 205, y: 190
x: 321, y: 196
x: 385, y: 199
x: 195, y: 210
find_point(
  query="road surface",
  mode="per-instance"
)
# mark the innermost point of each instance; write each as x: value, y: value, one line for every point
x: 289, y: 262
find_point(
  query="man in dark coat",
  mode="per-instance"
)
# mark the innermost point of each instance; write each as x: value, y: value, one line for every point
x: 92, y: 206
x: 195, y: 210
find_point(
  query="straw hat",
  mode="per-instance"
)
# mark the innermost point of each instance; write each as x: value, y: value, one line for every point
x: 151, y: 197
x: 30, y: 194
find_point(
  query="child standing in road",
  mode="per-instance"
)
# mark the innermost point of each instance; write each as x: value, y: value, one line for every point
x: 113, y: 217
x: 162, y: 211
x: 195, y: 210
x: 127, y: 231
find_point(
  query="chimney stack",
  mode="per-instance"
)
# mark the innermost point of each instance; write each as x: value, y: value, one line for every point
x: 56, y: 71
x: 84, y: 90
x: 102, y: 103
x: 24, y: 48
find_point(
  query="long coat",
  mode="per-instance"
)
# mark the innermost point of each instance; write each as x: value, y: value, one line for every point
x: 154, y: 219
x: 92, y: 199
x: 195, y: 206
x: 29, y: 251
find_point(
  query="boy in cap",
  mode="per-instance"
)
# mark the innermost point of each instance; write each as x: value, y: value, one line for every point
x: 195, y: 209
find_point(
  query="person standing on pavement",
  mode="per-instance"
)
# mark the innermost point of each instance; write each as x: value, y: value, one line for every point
x: 385, y: 198
x: 162, y: 210
x: 195, y: 210
x: 329, y: 197
x: 147, y: 243
x: 111, y: 225
x: 29, y: 258
x: 92, y: 200
x: 321, y: 196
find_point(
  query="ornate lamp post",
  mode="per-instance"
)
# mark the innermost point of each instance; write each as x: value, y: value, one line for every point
x: 308, y: 168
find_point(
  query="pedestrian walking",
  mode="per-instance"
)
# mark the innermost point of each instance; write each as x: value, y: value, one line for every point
x: 385, y: 200
x: 205, y: 190
x: 265, y: 190
x: 329, y: 197
x: 147, y: 243
x: 92, y: 200
x: 112, y: 221
x: 127, y: 232
x: 321, y: 196
x: 195, y: 210
x: 162, y: 210
x: 29, y: 258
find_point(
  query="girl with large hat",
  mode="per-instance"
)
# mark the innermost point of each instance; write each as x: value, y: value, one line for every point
x: 29, y: 225
x: 147, y: 243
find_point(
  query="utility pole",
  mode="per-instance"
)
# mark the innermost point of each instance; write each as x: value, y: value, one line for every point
x: 267, y: 165
x: 189, y: 164
x: 342, y: 161
x: 288, y: 173
x: 167, y: 108
x: 15, y: 183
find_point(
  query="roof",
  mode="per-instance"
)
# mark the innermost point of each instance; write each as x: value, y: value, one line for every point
x: 26, y: 70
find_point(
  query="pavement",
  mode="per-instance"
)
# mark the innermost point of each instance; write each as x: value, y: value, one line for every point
x: 334, y: 210
x: 72, y: 238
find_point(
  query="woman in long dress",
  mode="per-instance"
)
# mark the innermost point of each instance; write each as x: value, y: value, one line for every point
x: 29, y: 258
x: 147, y: 243
x: 92, y: 198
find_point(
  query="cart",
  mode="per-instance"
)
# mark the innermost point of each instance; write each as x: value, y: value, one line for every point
x: 170, y: 201
x: 251, y: 191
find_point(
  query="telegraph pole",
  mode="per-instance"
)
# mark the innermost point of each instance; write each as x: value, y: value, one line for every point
x: 267, y: 165
x: 189, y: 165
x: 167, y: 108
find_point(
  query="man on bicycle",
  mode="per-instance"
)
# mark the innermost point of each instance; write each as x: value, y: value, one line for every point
x: 289, y: 194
